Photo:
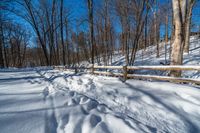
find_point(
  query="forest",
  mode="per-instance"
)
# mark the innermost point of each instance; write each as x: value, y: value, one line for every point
x: 46, y: 33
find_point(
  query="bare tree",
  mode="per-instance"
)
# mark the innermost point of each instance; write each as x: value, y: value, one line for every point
x: 179, y: 8
x: 189, y: 8
x: 142, y: 10
x: 61, y: 31
x: 91, y: 25
x: 32, y: 15
x: 1, y: 43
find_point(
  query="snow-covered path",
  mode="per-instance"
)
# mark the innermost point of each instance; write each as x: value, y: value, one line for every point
x: 29, y: 104
x: 23, y: 105
x: 52, y: 101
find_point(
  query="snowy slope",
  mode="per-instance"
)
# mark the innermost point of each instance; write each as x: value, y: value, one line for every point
x: 148, y: 58
x: 52, y: 101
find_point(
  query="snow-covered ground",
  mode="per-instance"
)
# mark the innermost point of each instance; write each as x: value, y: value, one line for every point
x: 50, y: 101
x: 43, y: 100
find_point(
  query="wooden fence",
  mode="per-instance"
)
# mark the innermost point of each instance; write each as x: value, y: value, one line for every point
x: 102, y: 70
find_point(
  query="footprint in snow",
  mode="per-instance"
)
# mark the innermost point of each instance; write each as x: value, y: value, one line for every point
x: 86, y: 86
x: 72, y: 102
x: 70, y: 82
x: 90, y: 81
x: 94, y: 120
x: 91, y: 105
x: 102, y: 128
x: 102, y: 108
x: 45, y: 92
x: 79, y: 82
x: 84, y: 100
x: 75, y: 100
x: 84, y: 111
x: 64, y: 121
x: 72, y: 93
x: 92, y: 86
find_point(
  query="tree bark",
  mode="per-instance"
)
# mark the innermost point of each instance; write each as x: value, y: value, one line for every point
x: 177, y: 46
x: 187, y: 25
x: 90, y: 12
x: 155, y: 36
x: 61, y: 32
x: 1, y: 48
x: 166, y: 29
x: 67, y: 41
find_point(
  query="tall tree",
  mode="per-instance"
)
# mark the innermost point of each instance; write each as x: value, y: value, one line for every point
x: 179, y: 7
x: 189, y: 8
x: 91, y: 25
x: 1, y: 43
x: 1, y: 55
x: 61, y: 31
x: 156, y: 29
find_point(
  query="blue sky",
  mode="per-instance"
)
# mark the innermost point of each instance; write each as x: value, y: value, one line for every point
x: 78, y: 10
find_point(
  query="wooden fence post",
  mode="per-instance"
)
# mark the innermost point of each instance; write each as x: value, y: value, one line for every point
x: 65, y: 67
x: 92, y: 69
x: 125, y: 72
x: 76, y: 69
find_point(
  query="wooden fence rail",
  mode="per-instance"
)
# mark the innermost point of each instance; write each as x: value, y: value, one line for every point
x: 165, y: 68
x: 126, y: 75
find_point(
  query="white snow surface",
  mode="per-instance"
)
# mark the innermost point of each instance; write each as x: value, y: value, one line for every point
x: 52, y: 101
x: 42, y: 100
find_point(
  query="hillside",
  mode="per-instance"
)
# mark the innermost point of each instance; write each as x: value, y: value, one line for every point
x: 147, y: 57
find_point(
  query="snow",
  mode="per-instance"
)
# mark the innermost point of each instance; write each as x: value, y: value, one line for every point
x: 49, y: 101
x: 43, y: 100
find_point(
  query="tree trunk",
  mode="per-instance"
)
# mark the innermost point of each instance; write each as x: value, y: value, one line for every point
x: 166, y: 29
x: 61, y: 31
x: 145, y: 34
x: 90, y: 11
x: 67, y: 41
x: 155, y: 36
x: 187, y: 26
x: 177, y: 46
x: 1, y: 48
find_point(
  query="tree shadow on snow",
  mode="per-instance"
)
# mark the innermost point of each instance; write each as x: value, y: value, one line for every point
x: 54, y: 76
x: 192, y: 128
x: 20, y: 78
